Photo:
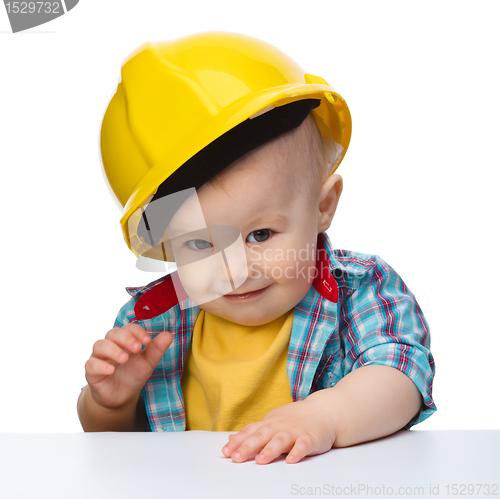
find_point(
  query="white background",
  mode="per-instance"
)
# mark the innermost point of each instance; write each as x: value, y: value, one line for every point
x: 420, y: 179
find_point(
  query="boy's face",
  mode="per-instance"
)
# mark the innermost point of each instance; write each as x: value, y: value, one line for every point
x: 279, y: 225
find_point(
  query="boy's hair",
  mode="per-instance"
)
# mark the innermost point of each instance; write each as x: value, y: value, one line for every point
x: 314, y: 158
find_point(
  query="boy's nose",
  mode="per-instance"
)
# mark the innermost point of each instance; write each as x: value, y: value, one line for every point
x: 236, y: 264
x: 238, y: 274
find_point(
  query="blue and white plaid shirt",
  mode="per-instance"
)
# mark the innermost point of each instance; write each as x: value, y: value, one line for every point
x: 364, y: 315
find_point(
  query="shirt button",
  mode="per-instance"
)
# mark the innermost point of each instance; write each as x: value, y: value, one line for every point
x: 338, y: 274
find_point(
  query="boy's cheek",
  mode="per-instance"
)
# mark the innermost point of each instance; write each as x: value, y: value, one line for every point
x: 202, y: 282
x: 295, y: 271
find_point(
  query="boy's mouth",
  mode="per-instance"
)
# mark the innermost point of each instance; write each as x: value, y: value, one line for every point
x: 244, y: 296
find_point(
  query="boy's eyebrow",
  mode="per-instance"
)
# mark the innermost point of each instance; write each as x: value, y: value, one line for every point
x: 174, y: 232
x: 269, y: 219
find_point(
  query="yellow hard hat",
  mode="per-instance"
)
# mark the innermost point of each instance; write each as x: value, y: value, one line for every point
x: 177, y: 97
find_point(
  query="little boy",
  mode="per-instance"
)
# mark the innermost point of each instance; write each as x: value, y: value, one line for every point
x: 222, y: 152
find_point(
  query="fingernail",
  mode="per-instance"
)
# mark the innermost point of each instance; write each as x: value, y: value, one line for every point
x: 237, y: 455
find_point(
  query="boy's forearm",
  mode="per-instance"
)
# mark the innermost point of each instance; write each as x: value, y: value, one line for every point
x: 370, y: 402
x: 94, y: 417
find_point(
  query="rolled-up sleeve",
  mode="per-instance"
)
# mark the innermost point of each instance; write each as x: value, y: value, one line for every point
x: 382, y: 323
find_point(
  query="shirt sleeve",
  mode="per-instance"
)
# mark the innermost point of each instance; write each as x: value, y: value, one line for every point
x: 382, y: 323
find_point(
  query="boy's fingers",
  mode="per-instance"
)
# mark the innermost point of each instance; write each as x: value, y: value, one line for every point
x: 303, y: 447
x: 267, y: 445
x: 247, y: 441
x: 96, y: 369
x: 107, y: 350
x: 139, y: 333
x: 281, y: 442
x: 229, y: 448
x: 116, y: 349
x: 128, y: 339
x: 157, y: 348
x: 235, y: 440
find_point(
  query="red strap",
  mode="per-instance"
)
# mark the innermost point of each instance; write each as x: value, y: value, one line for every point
x: 324, y: 283
x: 157, y: 300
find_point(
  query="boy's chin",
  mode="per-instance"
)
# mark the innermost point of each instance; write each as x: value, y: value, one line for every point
x: 251, y: 318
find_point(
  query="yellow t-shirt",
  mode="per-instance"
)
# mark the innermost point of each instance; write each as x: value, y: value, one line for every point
x: 234, y: 374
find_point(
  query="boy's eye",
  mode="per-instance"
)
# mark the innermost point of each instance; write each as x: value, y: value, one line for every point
x: 198, y: 244
x: 259, y: 236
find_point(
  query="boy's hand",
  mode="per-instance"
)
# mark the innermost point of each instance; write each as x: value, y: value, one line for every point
x: 300, y: 428
x: 118, y: 368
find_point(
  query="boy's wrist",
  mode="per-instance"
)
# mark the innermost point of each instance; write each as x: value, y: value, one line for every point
x: 126, y: 405
x: 320, y: 401
x: 97, y: 417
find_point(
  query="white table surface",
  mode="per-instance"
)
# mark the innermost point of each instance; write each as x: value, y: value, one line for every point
x: 185, y: 465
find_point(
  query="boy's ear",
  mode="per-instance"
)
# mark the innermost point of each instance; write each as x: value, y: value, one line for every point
x: 328, y: 201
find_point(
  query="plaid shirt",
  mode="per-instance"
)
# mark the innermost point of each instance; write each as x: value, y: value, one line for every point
x: 359, y: 312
